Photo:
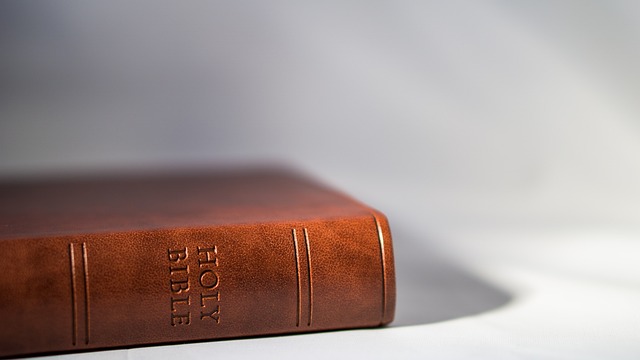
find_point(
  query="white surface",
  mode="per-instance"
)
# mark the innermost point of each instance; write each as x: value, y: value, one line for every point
x: 501, y: 138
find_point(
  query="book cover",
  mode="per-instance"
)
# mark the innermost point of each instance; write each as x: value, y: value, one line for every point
x: 120, y: 261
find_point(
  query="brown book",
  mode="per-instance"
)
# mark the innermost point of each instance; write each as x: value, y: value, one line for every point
x: 125, y: 261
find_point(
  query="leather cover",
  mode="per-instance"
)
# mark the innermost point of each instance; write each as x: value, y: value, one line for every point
x: 124, y: 261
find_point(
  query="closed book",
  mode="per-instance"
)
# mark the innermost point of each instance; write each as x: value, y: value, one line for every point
x: 121, y: 261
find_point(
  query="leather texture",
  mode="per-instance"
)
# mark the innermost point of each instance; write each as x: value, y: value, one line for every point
x: 151, y: 259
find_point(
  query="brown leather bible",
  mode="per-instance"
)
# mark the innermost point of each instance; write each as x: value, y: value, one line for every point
x: 100, y: 263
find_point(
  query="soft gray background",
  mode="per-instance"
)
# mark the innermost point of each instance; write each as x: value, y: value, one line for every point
x: 502, y: 138
x: 523, y: 102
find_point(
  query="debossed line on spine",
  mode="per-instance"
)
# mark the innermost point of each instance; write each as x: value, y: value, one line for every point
x: 74, y: 292
x: 299, y: 294
x: 85, y: 268
x: 384, y: 270
x: 306, y: 243
x: 74, y: 306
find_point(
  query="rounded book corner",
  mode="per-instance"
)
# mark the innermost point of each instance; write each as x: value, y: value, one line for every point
x: 388, y: 267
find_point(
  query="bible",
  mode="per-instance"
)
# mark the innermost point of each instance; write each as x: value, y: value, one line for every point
x: 122, y: 261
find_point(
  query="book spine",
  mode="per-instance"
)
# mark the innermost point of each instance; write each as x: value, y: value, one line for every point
x: 96, y: 291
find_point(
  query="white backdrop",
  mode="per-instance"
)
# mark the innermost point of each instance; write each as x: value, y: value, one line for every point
x: 501, y: 138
